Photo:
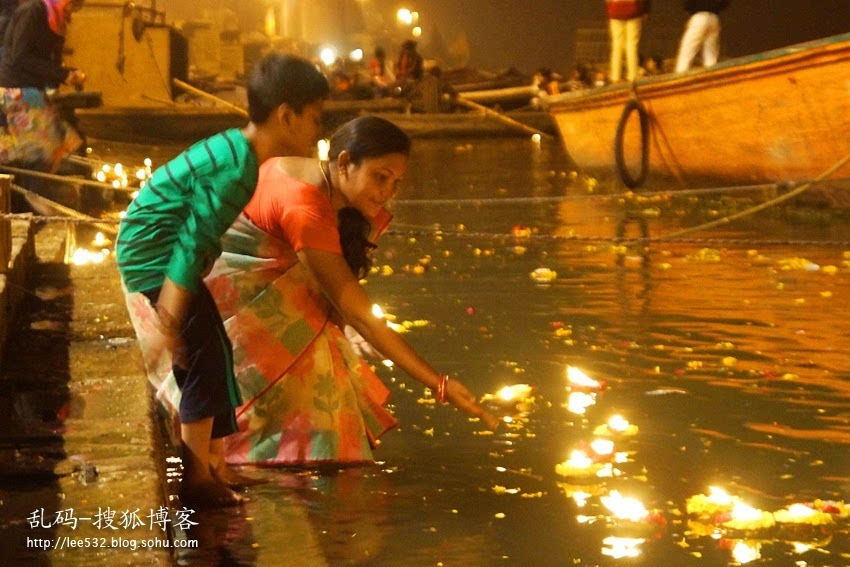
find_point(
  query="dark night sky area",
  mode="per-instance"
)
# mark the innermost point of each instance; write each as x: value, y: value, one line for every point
x: 537, y: 33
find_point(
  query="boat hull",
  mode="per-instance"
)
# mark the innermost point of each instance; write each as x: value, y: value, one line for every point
x: 779, y: 116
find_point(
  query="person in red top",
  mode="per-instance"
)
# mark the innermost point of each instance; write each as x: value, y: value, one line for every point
x: 287, y: 287
x: 625, y: 24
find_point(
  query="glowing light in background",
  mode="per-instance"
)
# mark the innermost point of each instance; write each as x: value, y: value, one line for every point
x: 417, y: 31
x: 327, y: 56
x: 405, y: 16
x: 356, y: 55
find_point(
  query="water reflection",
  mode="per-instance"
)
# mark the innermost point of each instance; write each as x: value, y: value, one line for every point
x: 733, y: 382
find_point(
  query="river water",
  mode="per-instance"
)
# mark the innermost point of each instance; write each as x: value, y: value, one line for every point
x: 731, y: 359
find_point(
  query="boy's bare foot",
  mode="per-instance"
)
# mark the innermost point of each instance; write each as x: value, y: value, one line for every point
x: 232, y: 479
x: 208, y: 493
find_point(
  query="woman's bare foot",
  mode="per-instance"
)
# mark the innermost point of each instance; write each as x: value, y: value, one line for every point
x: 208, y: 493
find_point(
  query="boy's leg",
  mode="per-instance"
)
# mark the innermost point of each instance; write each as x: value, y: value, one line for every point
x: 205, y: 393
x: 199, y: 486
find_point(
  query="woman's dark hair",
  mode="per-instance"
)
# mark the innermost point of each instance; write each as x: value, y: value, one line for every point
x: 363, y: 138
x: 368, y: 137
x: 354, y: 230
x: 283, y: 79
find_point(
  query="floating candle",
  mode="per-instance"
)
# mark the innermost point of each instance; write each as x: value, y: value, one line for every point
x: 625, y: 508
x: 580, y: 380
x: 802, y: 514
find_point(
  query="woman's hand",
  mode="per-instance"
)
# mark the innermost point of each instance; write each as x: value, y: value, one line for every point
x: 464, y: 400
x: 76, y: 78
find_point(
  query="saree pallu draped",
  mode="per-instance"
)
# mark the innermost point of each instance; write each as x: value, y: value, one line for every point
x: 308, y: 397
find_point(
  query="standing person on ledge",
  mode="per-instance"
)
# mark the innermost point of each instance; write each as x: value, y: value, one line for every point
x: 702, y: 32
x: 171, y: 236
x: 625, y: 21
x: 34, y: 135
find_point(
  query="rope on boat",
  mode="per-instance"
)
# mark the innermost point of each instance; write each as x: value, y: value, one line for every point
x: 406, y: 230
x: 65, y: 179
x: 628, y: 195
x: 752, y: 210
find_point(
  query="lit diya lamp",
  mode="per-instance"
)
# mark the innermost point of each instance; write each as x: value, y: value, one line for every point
x: 802, y: 514
x: 521, y: 231
x: 746, y: 551
x: 578, y: 402
x: 631, y: 510
x: 746, y: 518
x: 717, y: 501
x: 578, y: 380
x: 598, y: 450
x: 579, y: 464
x: 617, y: 426
x: 100, y: 241
x: 834, y: 507
x: 543, y: 275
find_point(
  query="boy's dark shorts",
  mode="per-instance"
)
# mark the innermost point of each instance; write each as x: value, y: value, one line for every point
x: 208, y: 386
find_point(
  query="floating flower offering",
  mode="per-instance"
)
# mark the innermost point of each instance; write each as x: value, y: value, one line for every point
x: 744, y: 517
x: 521, y: 231
x: 836, y: 508
x: 578, y: 380
x: 718, y: 501
x: 621, y: 547
x: 628, y: 509
x: 543, y: 275
x: 802, y: 514
x: 579, y: 464
x: 510, y: 394
x: 616, y: 426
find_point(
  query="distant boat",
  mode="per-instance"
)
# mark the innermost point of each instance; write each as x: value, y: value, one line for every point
x: 777, y: 116
x: 189, y: 123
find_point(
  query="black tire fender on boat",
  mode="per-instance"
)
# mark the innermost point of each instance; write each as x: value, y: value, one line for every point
x: 620, y: 160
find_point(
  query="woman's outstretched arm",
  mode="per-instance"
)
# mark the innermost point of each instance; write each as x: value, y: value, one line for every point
x: 348, y: 297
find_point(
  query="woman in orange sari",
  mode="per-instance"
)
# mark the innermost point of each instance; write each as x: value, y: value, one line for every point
x: 287, y: 285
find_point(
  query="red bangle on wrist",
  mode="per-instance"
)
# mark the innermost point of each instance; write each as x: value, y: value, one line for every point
x: 443, y: 389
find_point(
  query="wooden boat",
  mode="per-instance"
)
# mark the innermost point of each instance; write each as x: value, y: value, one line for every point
x: 191, y: 123
x: 777, y: 116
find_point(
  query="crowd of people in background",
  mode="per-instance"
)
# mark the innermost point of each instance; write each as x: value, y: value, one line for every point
x: 383, y: 77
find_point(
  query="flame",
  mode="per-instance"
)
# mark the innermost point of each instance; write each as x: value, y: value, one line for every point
x: 618, y: 423
x: 578, y: 378
x: 718, y: 496
x: 602, y: 446
x: 579, y: 460
x: 744, y: 552
x: 625, y: 508
x: 800, y: 511
x: 377, y: 311
x: 578, y: 402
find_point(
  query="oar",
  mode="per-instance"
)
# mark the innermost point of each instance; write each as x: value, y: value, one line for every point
x: 507, y: 120
x: 232, y: 107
